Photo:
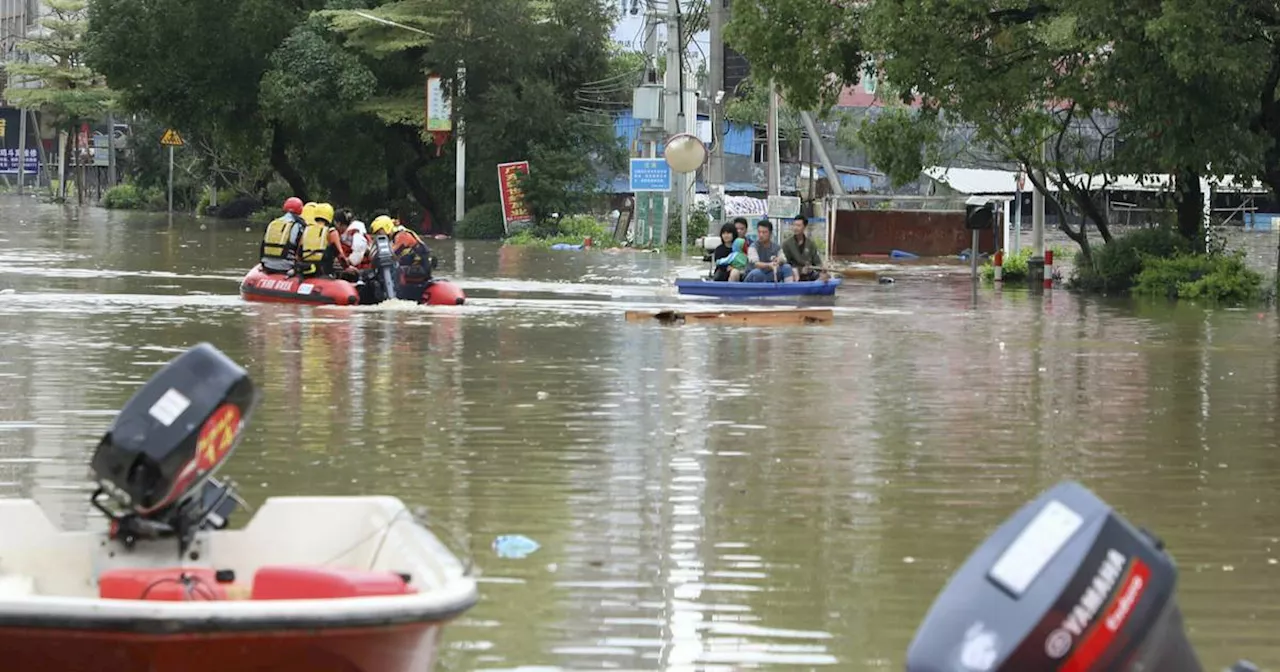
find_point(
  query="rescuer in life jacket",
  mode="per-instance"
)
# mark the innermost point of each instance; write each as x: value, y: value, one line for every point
x: 279, y: 246
x: 413, y: 256
x: 321, y: 246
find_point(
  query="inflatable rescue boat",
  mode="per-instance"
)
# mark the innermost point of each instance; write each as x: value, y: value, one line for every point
x: 258, y: 285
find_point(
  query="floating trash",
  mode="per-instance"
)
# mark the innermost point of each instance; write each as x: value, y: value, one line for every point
x: 514, y: 546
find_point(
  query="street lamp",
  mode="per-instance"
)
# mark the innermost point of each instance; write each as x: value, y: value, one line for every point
x: 684, y: 153
x: 460, y: 181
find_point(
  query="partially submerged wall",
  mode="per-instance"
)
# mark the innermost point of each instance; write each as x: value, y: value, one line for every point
x: 927, y: 233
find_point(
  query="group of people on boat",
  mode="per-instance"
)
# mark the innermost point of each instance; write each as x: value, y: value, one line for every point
x: 746, y: 257
x: 313, y: 240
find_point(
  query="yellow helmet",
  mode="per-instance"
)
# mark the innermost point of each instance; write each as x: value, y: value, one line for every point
x: 382, y: 225
x: 309, y: 212
x: 324, y: 211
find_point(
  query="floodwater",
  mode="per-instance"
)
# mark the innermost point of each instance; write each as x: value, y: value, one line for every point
x: 703, y: 497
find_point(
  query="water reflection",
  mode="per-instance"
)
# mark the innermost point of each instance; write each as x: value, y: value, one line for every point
x: 704, y: 497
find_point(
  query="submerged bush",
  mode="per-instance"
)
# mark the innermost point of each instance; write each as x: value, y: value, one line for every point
x: 129, y: 196
x: 483, y: 222
x: 572, y: 230
x: 1115, y: 267
x: 1016, y: 266
x: 1221, y: 278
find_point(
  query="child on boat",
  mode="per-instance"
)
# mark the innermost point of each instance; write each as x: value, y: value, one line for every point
x: 735, y: 262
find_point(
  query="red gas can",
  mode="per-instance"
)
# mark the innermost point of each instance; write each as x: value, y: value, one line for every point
x: 297, y: 582
x: 176, y: 584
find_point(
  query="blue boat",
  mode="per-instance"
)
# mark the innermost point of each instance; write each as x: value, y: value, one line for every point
x: 742, y: 290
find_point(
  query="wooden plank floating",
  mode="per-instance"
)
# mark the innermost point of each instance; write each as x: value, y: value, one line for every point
x: 753, y: 318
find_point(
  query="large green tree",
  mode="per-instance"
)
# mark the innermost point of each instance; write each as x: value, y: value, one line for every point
x: 69, y: 91
x: 1080, y: 87
x: 331, y: 95
x: 197, y: 66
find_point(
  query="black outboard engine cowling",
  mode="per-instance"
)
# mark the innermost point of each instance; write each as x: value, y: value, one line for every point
x: 1065, y: 584
x: 386, y: 267
x: 156, y: 461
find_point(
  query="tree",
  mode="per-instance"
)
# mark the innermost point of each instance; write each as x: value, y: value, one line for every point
x: 1109, y: 87
x: 197, y: 66
x: 69, y: 91
x: 812, y: 48
x: 332, y: 101
x: 528, y: 67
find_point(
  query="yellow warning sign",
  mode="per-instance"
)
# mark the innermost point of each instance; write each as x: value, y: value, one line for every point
x: 171, y: 138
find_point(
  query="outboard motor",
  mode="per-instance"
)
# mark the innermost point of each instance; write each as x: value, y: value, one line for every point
x: 1065, y: 584
x: 385, y: 266
x: 155, y: 464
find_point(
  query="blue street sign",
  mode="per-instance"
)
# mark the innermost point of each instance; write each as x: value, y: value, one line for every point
x: 9, y: 161
x: 650, y: 175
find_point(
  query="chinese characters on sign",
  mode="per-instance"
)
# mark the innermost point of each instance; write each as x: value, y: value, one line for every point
x: 439, y: 117
x: 513, y: 205
x: 650, y: 175
x: 9, y: 161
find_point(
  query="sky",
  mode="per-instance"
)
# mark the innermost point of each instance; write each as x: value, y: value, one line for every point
x: 630, y: 32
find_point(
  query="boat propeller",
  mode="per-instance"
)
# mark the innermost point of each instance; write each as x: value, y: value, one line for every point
x: 154, y: 467
x: 1064, y: 584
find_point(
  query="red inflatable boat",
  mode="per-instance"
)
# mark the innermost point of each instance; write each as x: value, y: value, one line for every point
x: 276, y: 288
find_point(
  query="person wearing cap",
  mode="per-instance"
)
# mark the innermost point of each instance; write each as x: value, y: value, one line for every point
x: 321, y: 245
x: 278, y: 249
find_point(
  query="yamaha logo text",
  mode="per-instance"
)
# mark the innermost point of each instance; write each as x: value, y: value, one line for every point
x: 1076, y: 622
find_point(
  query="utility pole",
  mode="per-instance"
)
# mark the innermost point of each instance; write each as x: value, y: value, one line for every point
x: 460, y: 151
x: 1037, y: 208
x: 673, y: 103
x: 775, y: 162
x: 111, y: 158
x: 715, y: 79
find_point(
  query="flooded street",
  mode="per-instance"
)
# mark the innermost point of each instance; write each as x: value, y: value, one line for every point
x: 703, y: 497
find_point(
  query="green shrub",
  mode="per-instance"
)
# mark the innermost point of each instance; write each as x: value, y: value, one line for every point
x: 483, y: 222
x: 263, y: 216
x: 225, y: 196
x: 129, y: 196
x: 571, y: 230
x: 1220, y: 278
x: 1115, y: 267
x: 1016, y: 266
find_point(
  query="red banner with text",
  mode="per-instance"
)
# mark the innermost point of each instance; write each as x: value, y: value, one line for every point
x: 513, y: 206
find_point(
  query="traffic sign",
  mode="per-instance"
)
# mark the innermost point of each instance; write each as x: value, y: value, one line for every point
x: 171, y: 138
x: 650, y: 175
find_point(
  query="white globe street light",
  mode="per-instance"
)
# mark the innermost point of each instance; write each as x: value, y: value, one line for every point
x: 684, y: 153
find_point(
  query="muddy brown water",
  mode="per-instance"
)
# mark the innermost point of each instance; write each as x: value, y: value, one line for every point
x: 703, y: 497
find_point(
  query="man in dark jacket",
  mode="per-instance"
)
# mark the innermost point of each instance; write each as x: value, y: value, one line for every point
x: 801, y: 251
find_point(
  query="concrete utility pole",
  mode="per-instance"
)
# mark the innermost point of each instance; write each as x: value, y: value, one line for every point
x: 715, y: 80
x: 775, y: 161
x: 1037, y: 209
x: 673, y: 104
x: 833, y: 178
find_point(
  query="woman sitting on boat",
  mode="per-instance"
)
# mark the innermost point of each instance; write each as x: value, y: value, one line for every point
x: 728, y: 235
x: 736, y: 262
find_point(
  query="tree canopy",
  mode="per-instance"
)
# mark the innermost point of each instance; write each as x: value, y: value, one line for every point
x: 330, y: 96
x: 1186, y: 87
x: 70, y: 91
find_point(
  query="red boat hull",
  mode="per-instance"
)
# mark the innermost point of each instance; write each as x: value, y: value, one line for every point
x: 276, y: 288
x: 400, y: 648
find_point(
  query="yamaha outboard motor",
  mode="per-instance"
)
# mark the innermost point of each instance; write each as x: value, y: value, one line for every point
x: 385, y: 266
x: 1065, y: 584
x: 155, y: 464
